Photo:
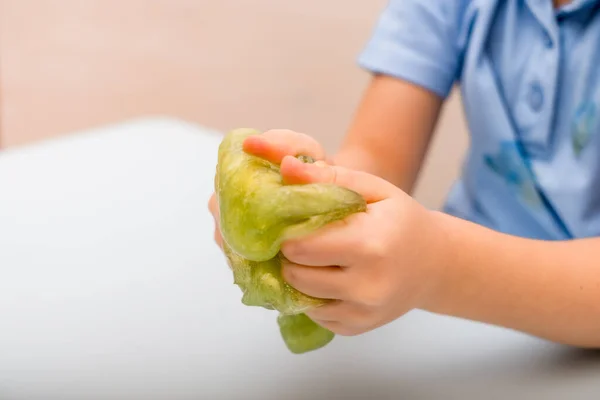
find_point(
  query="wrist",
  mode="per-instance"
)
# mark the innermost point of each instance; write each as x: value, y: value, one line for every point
x: 440, y: 259
x: 472, y: 260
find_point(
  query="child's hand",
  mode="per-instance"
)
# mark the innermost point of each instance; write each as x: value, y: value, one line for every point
x: 273, y: 146
x: 378, y: 265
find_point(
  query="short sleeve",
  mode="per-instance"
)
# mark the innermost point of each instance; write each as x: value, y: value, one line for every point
x: 418, y: 41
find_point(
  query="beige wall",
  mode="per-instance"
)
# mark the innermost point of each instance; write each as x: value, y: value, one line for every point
x: 70, y: 64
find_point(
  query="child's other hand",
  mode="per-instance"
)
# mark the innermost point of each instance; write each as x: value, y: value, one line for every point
x: 377, y: 265
x: 272, y: 145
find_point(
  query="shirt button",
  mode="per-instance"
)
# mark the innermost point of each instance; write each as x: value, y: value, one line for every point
x: 548, y: 42
x: 535, y: 97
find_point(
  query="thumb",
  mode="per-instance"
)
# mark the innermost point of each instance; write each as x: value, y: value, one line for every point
x: 372, y: 188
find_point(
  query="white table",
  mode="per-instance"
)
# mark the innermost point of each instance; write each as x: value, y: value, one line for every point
x: 111, y: 288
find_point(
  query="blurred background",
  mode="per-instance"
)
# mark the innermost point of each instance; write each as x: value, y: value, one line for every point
x: 70, y: 65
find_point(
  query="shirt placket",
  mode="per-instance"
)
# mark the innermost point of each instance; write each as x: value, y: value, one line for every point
x: 536, y: 101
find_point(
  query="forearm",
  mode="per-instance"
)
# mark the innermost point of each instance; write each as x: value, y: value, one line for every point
x: 547, y: 289
x: 391, y: 131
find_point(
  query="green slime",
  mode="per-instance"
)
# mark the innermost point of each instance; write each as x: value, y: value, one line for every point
x: 257, y: 213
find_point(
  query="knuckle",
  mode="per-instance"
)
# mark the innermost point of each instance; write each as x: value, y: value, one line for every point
x: 326, y: 174
x: 345, y: 330
x: 289, y: 273
x: 292, y: 250
x: 375, y: 249
x: 371, y: 298
x: 376, y: 294
x: 333, y: 175
x: 212, y: 205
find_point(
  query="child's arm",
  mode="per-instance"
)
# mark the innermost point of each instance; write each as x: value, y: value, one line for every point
x: 391, y: 131
x: 415, y: 54
x: 547, y: 289
x: 399, y: 256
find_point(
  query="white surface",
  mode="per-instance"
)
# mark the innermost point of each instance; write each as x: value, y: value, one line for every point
x: 112, y: 288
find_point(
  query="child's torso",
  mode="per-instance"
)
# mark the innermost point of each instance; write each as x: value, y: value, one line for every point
x: 530, y: 81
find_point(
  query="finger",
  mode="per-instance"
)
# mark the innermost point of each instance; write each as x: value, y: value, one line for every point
x: 371, y: 187
x: 320, y: 282
x: 213, y: 205
x: 337, y: 243
x: 341, y: 317
x: 276, y: 144
x: 339, y: 328
x: 214, y: 210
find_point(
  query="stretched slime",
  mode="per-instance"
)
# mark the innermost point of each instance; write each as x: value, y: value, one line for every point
x: 257, y: 213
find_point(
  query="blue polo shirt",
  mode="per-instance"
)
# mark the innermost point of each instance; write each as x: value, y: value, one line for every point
x: 529, y: 76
